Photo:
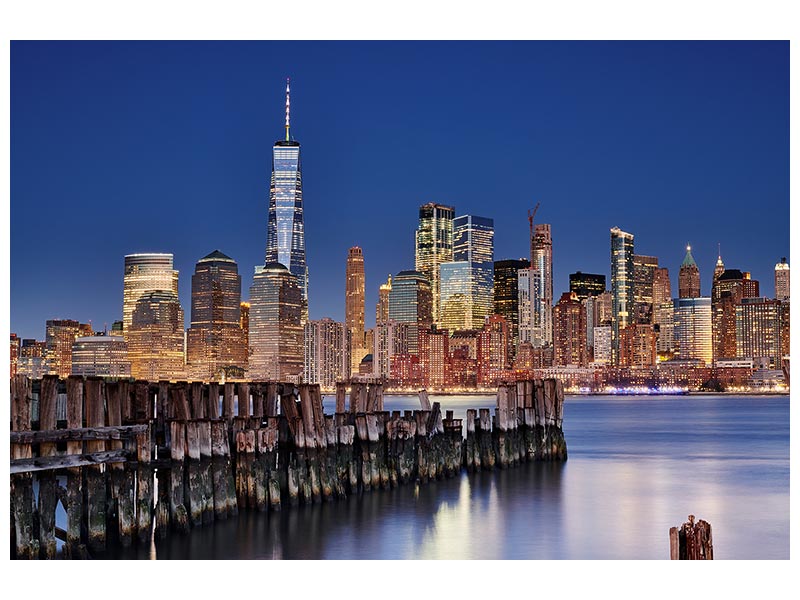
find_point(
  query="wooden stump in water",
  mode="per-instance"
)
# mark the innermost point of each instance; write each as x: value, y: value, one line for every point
x: 692, y: 541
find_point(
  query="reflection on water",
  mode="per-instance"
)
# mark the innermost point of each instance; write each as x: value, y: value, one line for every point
x: 637, y: 466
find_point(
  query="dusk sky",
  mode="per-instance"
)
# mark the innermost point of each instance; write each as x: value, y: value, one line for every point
x: 124, y: 147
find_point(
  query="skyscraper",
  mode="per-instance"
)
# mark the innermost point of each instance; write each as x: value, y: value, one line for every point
x: 276, y: 332
x: 156, y: 337
x: 466, y: 282
x: 434, y: 245
x: 286, y: 242
x: 727, y: 293
x: 100, y: 356
x: 782, y: 287
x: 689, y: 277
x: 382, y: 307
x: 410, y: 301
x: 622, y: 300
x: 586, y: 284
x: 215, y: 339
x: 692, y: 329
x: 506, y: 296
x: 644, y: 269
x: 60, y: 334
x: 569, y: 331
x: 758, y: 330
x: 145, y: 273
x: 354, y: 304
x: 492, y: 350
x: 326, y: 353
x: 14, y: 353
x: 662, y: 310
x: 542, y: 267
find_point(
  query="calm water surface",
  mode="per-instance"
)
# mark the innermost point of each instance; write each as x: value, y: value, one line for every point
x: 637, y: 466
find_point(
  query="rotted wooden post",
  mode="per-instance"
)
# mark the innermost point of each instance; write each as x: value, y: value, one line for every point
x: 22, y: 499
x: 692, y: 541
x: 95, y: 474
x: 48, y: 486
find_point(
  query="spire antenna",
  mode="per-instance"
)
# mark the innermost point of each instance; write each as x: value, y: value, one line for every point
x: 287, y: 109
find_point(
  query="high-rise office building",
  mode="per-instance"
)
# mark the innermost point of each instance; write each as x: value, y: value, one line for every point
x: 354, y: 304
x: 215, y: 340
x: 586, y: 284
x: 32, y: 360
x: 644, y: 269
x: 692, y: 329
x: 782, y: 290
x: 434, y: 357
x: 60, y: 334
x: 719, y: 268
x: 326, y: 353
x: 286, y: 241
x: 14, y: 353
x: 382, y: 307
x: 637, y: 347
x: 493, y: 359
x: 244, y: 323
x: 410, y: 301
x: 542, y: 267
x: 758, y: 330
x: 100, y: 356
x: 602, y: 345
x: 622, y: 299
x: 156, y: 337
x: 466, y: 283
x: 390, y: 339
x: 689, y: 277
x: 276, y: 332
x: 506, y: 296
x: 662, y: 289
x: 569, y: 331
x: 145, y: 273
x: 434, y: 245
x: 727, y: 292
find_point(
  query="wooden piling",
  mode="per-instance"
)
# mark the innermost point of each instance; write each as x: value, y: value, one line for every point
x: 95, y: 475
x: 692, y: 541
x: 74, y: 547
x: 21, y: 495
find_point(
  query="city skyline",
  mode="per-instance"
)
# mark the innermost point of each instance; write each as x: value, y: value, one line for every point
x: 94, y: 292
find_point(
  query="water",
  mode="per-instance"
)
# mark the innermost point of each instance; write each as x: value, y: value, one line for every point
x: 637, y: 466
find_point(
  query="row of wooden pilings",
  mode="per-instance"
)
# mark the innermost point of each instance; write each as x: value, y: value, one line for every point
x: 130, y: 460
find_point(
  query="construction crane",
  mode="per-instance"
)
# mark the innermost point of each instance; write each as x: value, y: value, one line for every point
x: 531, y: 214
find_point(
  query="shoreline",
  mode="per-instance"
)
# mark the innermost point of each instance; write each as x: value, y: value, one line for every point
x: 572, y: 394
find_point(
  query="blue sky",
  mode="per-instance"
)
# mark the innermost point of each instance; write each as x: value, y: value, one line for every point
x: 122, y: 147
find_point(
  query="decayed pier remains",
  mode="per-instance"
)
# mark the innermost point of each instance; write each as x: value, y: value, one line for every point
x: 132, y: 459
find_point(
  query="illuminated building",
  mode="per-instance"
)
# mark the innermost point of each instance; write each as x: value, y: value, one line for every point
x: 689, y: 277
x: 782, y: 280
x: 382, y: 307
x: 156, y: 337
x: 506, y: 296
x: 602, y: 345
x: 492, y: 351
x: 758, y: 330
x: 622, y: 299
x: 365, y: 367
x: 244, y: 323
x: 32, y: 360
x: 14, y: 353
x: 637, y: 347
x: 410, y: 301
x: 390, y: 339
x: 434, y: 357
x: 727, y: 292
x: 276, y: 332
x: 60, y: 333
x: 466, y: 283
x: 101, y: 356
x: 584, y: 285
x: 406, y: 371
x: 464, y: 355
x: 785, y: 329
x: 597, y: 312
x: 527, y: 291
x: 215, y: 339
x: 286, y: 241
x: 145, y: 273
x: 665, y: 319
x: 644, y: 269
x: 326, y: 353
x: 434, y: 246
x: 692, y: 329
x: 569, y: 331
x: 354, y: 304
x: 542, y: 271
x: 719, y: 268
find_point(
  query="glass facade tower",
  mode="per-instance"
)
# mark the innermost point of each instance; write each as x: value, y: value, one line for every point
x: 410, y: 301
x: 434, y: 245
x: 286, y: 242
x: 622, y: 299
x: 145, y: 273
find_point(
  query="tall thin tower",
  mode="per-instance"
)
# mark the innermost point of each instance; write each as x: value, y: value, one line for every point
x: 286, y: 241
x: 622, y: 299
x: 434, y: 246
x: 542, y: 271
x: 354, y: 304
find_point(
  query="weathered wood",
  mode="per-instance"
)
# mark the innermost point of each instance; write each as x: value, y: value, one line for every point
x: 693, y: 541
x: 341, y: 392
x: 243, y: 394
x: 271, y: 400
x: 307, y: 411
x: 212, y: 401
x: 196, y: 400
x: 227, y: 400
x: 81, y: 434
x: 29, y: 465
x: 258, y: 390
x: 74, y: 411
x: 180, y: 405
x: 424, y: 402
x: 143, y: 401
x: 318, y: 415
